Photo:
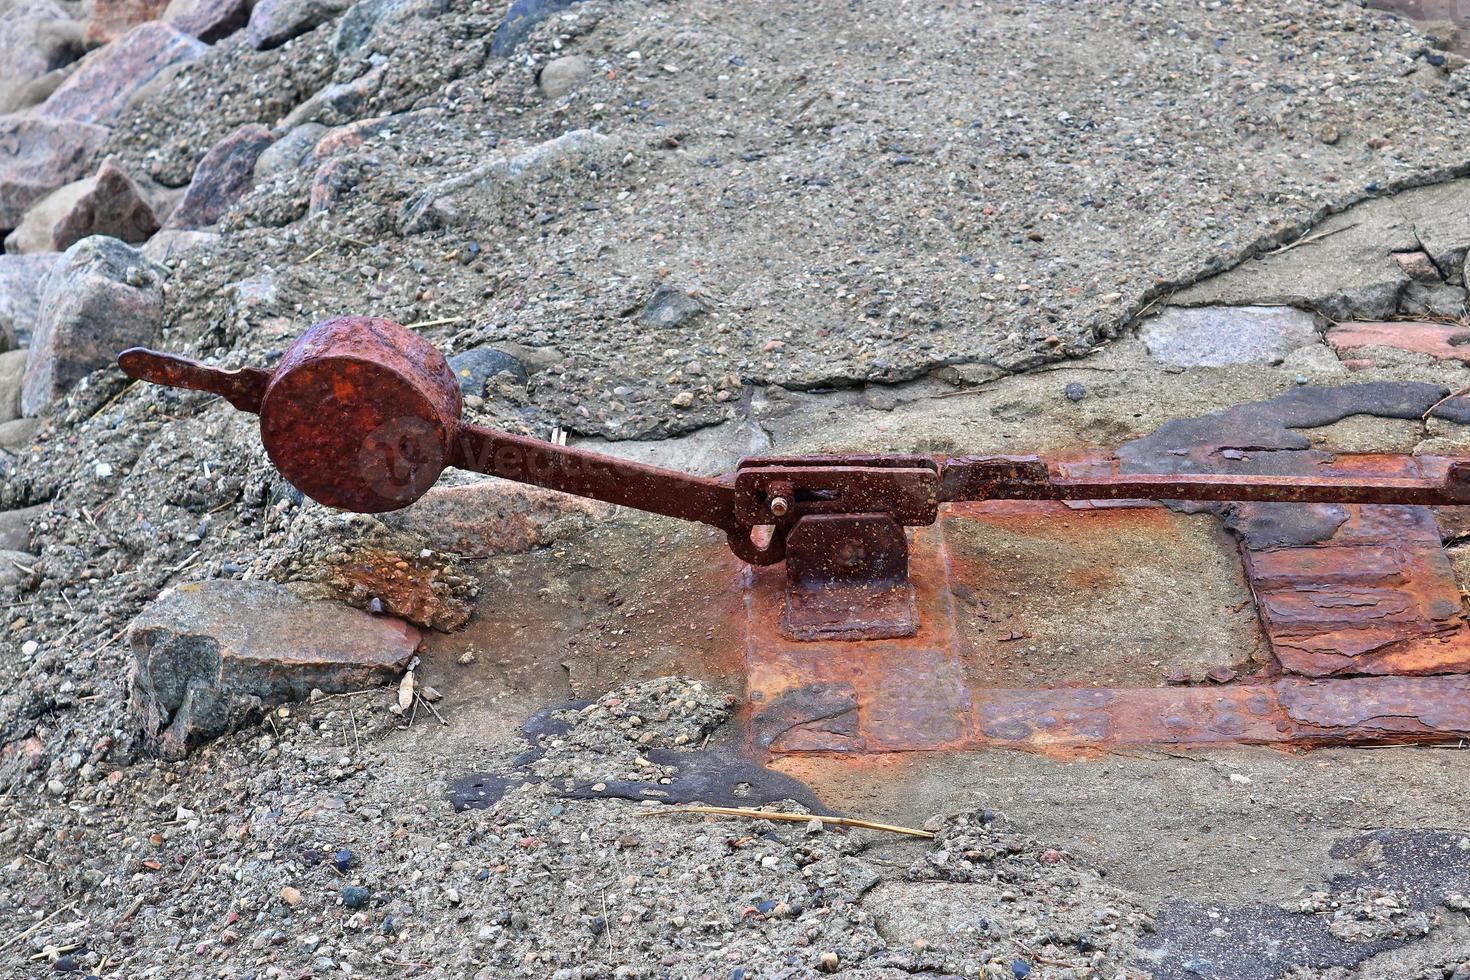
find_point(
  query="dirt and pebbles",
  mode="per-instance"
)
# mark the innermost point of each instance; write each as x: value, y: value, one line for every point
x: 838, y: 195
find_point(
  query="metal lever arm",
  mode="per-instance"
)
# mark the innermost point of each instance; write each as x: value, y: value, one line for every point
x: 1444, y: 481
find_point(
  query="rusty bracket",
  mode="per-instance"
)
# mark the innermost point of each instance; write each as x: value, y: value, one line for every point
x: 363, y: 414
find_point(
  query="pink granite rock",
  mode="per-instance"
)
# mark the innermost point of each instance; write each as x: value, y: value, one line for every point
x: 274, y: 22
x: 208, y: 20
x: 39, y: 154
x: 111, y: 19
x: 102, y: 297
x: 222, y: 177
x: 107, y: 78
x: 107, y: 203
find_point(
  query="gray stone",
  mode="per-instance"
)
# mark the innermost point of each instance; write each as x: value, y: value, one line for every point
x: 15, y: 527
x: 1212, y: 336
x: 287, y: 153
x: 670, y: 306
x: 102, y: 297
x: 105, y: 81
x: 520, y: 19
x: 17, y: 570
x: 477, y: 366
x: 1347, y: 266
x: 12, y: 371
x: 209, y: 655
x: 358, y: 24
x: 15, y: 436
x: 1423, y: 299
x: 23, y: 58
x: 171, y: 243
x: 274, y: 22
x: 560, y: 75
x: 21, y: 277
x: 339, y: 102
x: 38, y: 154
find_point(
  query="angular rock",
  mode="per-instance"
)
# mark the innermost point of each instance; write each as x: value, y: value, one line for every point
x: 21, y: 278
x: 15, y: 527
x: 490, y: 517
x: 288, y: 152
x: 222, y: 177
x: 358, y: 24
x: 108, y: 77
x: 38, y: 154
x: 560, y: 75
x: 111, y: 19
x: 169, y: 244
x: 209, y: 655
x: 1418, y: 266
x: 23, y: 56
x: 274, y: 22
x: 520, y: 19
x: 12, y: 371
x: 477, y: 366
x: 101, y: 298
x: 208, y: 20
x: 334, y: 178
x: 1211, y: 336
x: 670, y: 306
x: 107, y: 203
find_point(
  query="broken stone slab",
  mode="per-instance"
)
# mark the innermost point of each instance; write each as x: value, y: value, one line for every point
x: 210, y: 655
x: 208, y: 20
x: 107, y: 203
x: 111, y: 19
x: 274, y: 22
x: 12, y: 370
x: 102, y: 297
x: 1443, y: 341
x: 1439, y: 299
x: 23, y: 55
x: 15, y: 527
x: 490, y: 517
x: 21, y: 277
x: 1213, y: 336
x: 106, y: 80
x: 39, y: 153
x: 222, y: 177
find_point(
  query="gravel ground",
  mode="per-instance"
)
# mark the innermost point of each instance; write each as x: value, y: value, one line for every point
x: 807, y: 196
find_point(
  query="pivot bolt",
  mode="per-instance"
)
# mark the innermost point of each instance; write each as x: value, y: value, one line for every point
x: 779, y: 506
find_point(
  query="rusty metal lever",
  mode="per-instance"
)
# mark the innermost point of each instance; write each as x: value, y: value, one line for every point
x: 364, y: 414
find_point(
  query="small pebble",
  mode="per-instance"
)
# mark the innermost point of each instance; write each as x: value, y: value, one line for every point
x: 1075, y: 392
x: 355, y: 896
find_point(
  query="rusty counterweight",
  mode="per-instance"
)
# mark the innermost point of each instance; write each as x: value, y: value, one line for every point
x: 364, y: 414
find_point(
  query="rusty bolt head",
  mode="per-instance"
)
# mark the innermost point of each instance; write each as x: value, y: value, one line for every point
x: 361, y: 414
